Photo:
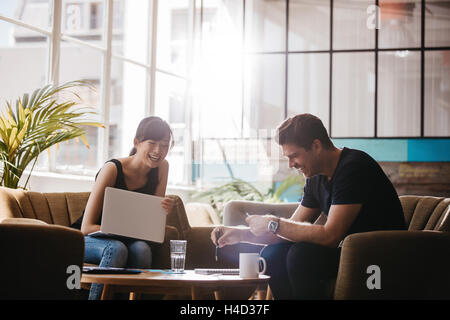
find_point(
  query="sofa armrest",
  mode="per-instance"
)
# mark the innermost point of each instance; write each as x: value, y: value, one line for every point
x: 22, y: 221
x: 35, y: 259
x: 412, y: 265
x: 200, y: 250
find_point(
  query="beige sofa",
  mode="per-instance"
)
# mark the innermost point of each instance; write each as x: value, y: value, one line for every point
x: 62, y: 209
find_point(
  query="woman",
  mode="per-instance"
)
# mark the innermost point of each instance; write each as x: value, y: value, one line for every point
x: 145, y: 170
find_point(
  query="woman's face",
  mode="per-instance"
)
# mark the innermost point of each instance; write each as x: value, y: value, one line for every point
x: 153, y: 152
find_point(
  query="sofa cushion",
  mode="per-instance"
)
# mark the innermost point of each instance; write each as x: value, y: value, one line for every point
x: 60, y: 208
x: 426, y: 213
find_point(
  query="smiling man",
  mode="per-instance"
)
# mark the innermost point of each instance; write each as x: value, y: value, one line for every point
x: 346, y: 185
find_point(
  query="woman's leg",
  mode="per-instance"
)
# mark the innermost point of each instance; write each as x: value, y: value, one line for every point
x: 139, y: 254
x: 105, y: 253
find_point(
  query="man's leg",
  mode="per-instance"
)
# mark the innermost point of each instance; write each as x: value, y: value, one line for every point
x: 310, y: 268
x: 275, y: 256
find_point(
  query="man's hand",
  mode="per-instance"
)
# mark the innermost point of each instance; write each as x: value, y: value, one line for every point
x: 228, y: 236
x: 258, y: 224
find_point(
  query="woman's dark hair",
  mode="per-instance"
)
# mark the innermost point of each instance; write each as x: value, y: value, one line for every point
x: 301, y: 130
x: 152, y: 128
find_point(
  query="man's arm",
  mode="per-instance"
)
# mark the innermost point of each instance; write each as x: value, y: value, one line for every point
x: 233, y: 235
x: 340, y: 218
x: 301, y: 214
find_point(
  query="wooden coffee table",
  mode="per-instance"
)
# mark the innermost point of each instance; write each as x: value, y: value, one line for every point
x: 162, y: 282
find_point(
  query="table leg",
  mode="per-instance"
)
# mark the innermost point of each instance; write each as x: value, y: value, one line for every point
x: 194, y: 293
x: 218, y: 295
x: 262, y: 292
x: 135, y: 295
x: 108, y: 292
x: 269, y: 293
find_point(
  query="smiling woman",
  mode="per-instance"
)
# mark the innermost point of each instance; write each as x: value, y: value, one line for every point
x: 145, y: 170
x: 154, y: 129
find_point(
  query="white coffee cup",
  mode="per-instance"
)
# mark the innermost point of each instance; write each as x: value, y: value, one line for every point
x: 249, y: 265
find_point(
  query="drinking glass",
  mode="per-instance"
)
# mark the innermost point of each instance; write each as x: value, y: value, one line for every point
x: 178, y: 255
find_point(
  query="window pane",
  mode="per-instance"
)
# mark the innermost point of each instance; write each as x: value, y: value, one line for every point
x: 309, y: 25
x: 264, y: 91
x: 399, y: 93
x: 77, y: 63
x: 437, y: 23
x: 36, y: 13
x: 248, y: 159
x: 83, y: 20
x: 173, y: 35
x: 400, y: 24
x: 128, y: 102
x: 308, y: 85
x: 131, y: 37
x: 170, y: 105
x: 265, y: 25
x: 353, y: 95
x: 23, y: 66
x: 350, y: 21
x: 218, y: 67
x: 23, y: 61
x: 437, y: 93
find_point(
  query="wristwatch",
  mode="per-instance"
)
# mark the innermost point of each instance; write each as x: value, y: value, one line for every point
x: 274, y: 225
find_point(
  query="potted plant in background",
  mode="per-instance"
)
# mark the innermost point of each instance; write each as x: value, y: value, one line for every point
x: 48, y: 117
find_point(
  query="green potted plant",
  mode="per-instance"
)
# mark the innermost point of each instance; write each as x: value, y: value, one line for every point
x: 35, y: 124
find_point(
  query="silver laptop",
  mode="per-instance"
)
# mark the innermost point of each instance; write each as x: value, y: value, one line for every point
x: 133, y: 215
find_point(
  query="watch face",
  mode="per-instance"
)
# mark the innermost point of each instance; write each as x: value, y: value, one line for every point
x: 273, y: 226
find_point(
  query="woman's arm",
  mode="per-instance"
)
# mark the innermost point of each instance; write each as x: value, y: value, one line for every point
x: 162, y: 179
x: 106, y: 178
x: 167, y: 203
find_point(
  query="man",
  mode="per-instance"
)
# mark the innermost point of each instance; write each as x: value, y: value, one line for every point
x: 347, y: 185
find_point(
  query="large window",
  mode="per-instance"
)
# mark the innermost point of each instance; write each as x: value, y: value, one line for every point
x: 225, y: 73
x: 133, y: 53
x: 368, y: 69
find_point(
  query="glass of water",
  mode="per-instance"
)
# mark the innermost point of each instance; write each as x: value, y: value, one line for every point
x: 178, y: 255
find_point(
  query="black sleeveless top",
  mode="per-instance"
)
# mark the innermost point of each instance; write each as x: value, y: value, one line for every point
x: 149, y: 188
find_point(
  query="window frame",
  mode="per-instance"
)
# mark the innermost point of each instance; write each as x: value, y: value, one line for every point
x: 56, y: 36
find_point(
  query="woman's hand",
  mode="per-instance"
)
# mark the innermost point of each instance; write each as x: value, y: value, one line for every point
x: 167, y: 204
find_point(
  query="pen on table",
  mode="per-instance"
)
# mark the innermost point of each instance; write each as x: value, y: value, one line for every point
x: 217, y: 244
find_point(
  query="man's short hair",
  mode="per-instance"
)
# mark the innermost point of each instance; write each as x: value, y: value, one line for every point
x: 301, y: 130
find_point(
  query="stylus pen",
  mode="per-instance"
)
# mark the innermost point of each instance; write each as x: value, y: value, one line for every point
x: 217, y: 244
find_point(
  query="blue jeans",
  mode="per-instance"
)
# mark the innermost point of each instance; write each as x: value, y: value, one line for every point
x: 105, y: 252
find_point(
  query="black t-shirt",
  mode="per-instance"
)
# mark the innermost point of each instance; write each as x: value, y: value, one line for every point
x: 149, y: 188
x: 358, y: 179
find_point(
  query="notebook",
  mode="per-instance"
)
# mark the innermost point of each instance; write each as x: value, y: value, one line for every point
x: 208, y: 271
x: 109, y: 270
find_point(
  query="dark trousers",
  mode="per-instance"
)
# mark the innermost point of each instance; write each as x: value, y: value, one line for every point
x: 301, y: 270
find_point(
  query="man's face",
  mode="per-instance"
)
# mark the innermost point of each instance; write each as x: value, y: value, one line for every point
x: 305, y: 161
